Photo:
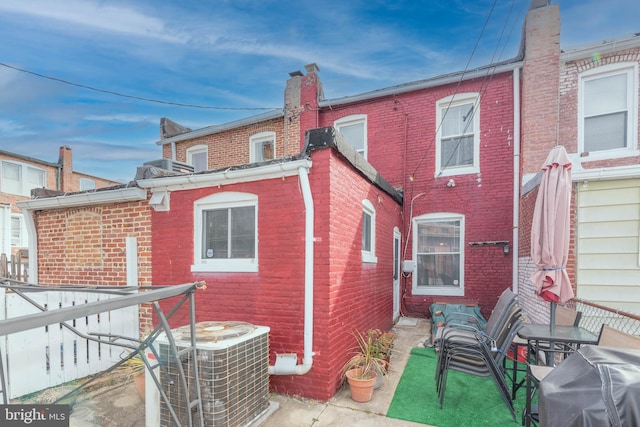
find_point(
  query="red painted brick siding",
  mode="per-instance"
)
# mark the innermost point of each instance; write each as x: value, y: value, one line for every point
x: 274, y: 296
x: 401, y: 146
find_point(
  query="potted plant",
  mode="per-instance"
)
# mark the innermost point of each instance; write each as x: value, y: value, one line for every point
x: 364, y: 366
x: 134, y: 368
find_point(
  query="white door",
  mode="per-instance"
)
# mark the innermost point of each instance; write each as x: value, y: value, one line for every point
x: 396, y: 274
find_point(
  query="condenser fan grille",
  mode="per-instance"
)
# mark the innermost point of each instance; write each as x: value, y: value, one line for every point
x: 215, y: 331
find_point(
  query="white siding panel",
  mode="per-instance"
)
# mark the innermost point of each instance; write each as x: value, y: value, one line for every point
x: 628, y: 278
x: 609, y: 213
x: 608, y: 230
x: 608, y: 226
x: 617, y: 245
x: 603, y: 197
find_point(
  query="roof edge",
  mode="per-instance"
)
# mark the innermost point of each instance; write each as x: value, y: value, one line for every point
x: 210, y: 130
x: 440, y: 80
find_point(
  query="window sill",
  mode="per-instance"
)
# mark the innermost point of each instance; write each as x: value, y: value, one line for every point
x: 440, y: 291
x: 368, y: 258
x: 226, y: 266
x: 457, y: 171
x: 608, y: 155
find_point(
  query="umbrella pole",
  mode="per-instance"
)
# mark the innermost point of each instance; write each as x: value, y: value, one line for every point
x: 552, y: 315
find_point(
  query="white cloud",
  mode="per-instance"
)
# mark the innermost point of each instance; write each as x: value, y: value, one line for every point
x: 96, y: 15
x: 122, y: 118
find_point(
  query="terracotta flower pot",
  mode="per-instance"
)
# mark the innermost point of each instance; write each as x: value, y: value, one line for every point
x: 139, y: 382
x: 361, y: 389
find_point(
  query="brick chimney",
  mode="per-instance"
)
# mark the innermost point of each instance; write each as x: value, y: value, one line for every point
x: 65, y: 163
x: 301, y: 97
x: 540, y: 85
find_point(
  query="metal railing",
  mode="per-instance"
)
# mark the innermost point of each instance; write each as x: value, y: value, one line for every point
x: 595, y: 315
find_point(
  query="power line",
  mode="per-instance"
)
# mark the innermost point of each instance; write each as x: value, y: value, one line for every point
x: 139, y: 98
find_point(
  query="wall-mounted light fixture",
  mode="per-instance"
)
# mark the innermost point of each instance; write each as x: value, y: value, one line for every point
x: 506, y: 249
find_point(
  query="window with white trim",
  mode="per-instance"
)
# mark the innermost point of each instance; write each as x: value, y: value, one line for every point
x: 262, y: 147
x: 607, y: 111
x: 354, y: 130
x: 18, y: 231
x: 458, y: 136
x: 21, y: 178
x: 438, y: 245
x: 368, y: 232
x: 198, y: 157
x: 226, y: 233
x: 87, y: 184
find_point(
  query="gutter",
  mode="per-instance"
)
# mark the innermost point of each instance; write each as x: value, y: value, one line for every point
x: 130, y: 194
x: 230, y: 176
x: 286, y: 364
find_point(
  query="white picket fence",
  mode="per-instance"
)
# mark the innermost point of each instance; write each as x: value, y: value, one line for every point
x: 48, y: 356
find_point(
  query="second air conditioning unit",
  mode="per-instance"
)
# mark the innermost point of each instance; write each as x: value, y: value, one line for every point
x: 171, y: 165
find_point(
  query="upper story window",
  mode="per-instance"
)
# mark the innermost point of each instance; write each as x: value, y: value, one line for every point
x: 368, y: 232
x: 20, y: 178
x: 198, y: 157
x: 607, y: 110
x: 87, y: 184
x: 226, y: 233
x: 354, y: 130
x: 262, y: 147
x: 438, y: 247
x: 458, y: 136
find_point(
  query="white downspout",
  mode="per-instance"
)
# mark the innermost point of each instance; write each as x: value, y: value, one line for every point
x: 516, y: 177
x: 286, y: 364
x: 32, y: 245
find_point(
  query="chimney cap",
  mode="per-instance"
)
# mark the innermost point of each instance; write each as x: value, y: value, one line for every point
x: 312, y: 68
x: 296, y: 73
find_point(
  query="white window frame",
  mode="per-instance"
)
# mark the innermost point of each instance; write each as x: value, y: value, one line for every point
x: 258, y: 139
x: 355, y: 119
x: 441, y: 107
x: 196, y: 150
x: 438, y: 290
x: 87, y: 184
x: 369, y: 255
x: 631, y: 71
x: 22, y: 232
x: 221, y: 201
x: 24, y: 187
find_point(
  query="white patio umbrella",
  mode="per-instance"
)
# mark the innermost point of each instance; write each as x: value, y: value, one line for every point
x: 550, y: 230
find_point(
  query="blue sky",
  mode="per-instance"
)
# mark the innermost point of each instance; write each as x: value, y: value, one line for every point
x: 233, y: 57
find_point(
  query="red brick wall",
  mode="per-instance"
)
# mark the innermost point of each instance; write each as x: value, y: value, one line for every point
x: 401, y: 146
x: 87, y: 246
x: 274, y: 296
x: 231, y: 147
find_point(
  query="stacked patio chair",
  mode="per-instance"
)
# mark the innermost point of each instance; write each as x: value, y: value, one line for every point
x: 480, y: 353
x: 456, y: 321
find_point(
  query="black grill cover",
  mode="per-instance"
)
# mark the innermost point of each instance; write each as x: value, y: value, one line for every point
x: 595, y: 386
